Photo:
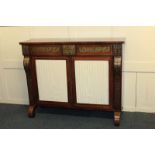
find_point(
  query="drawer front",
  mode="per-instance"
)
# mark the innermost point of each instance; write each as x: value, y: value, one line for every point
x: 48, y: 50
x: 59, y: 50
x: 94, y: 50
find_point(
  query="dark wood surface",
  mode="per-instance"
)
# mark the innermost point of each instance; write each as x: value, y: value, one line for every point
x: 71, y: 50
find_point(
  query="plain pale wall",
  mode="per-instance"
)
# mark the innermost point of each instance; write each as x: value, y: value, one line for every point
x: 138, y: 61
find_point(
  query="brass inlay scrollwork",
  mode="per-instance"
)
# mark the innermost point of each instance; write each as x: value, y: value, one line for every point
x: 68, y: 49
x: 46, y: 49
x: 54, y: 49
x: 94, y: 49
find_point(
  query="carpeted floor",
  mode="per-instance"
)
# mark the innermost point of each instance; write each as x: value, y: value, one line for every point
x: 15, y: 117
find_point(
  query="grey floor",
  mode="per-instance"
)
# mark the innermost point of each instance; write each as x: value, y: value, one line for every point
x: 15, y: 117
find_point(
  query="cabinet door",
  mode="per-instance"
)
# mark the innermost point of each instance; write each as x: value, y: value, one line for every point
x: 92, y: 81
x: 52, y: 80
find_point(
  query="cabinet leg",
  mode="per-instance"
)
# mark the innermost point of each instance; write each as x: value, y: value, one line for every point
x: 117, y: 116
x: 31, y: 111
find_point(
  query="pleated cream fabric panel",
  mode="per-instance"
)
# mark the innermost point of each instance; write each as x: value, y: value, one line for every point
x: 92, y: 81
x: 52, y: 80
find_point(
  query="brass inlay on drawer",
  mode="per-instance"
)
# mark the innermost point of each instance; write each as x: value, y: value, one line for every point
x: 69, y: 49
x: 95, y: 49
x: 46, y: 49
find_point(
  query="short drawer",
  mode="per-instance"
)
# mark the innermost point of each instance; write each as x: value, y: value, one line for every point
x: 46, y: 50
x: 94, y: 50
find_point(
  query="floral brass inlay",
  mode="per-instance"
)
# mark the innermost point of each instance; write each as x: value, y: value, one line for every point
x: 94, y: 49
x: 68, y: 49
x: 47, y: 49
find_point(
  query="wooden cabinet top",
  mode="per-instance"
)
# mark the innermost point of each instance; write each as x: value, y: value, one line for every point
x: 73, y: 40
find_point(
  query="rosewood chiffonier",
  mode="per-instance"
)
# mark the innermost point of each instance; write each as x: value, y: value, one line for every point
x: 74, y: 73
